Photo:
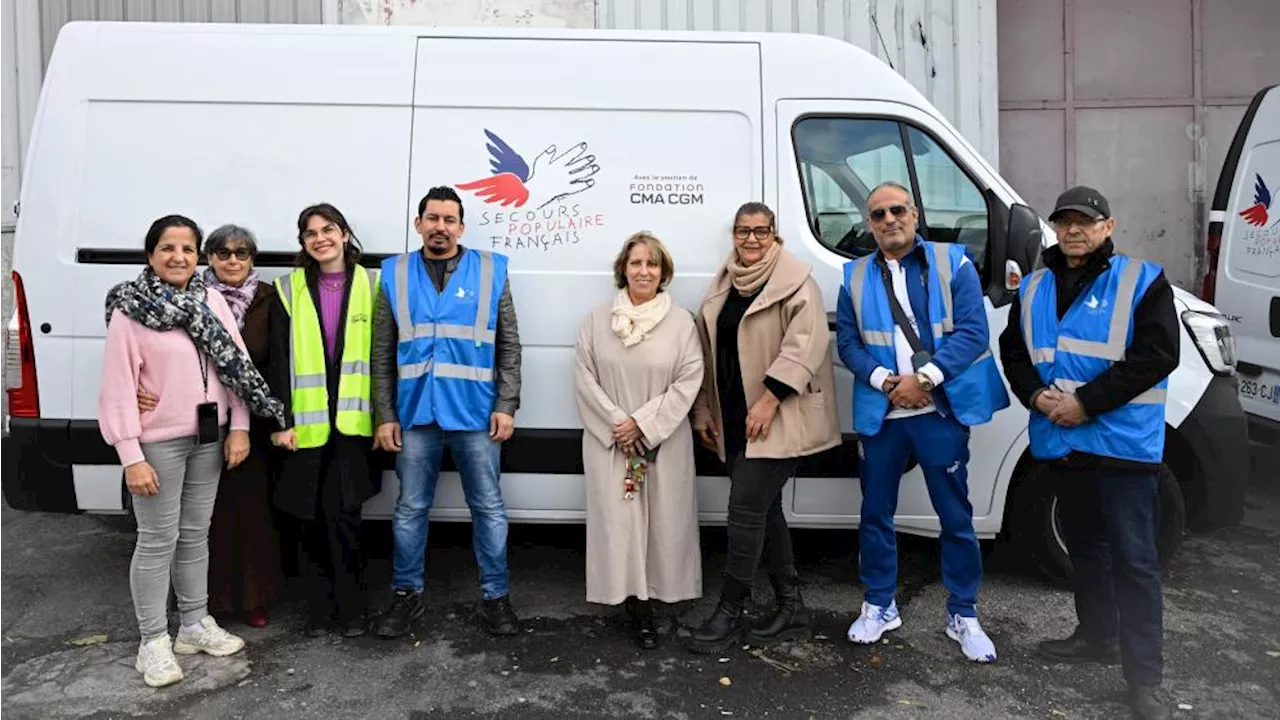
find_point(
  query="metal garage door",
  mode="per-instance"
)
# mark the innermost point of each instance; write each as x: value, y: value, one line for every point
x: 1138, y: 98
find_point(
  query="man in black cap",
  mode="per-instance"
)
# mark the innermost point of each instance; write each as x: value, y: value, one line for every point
x: 1089, y: 345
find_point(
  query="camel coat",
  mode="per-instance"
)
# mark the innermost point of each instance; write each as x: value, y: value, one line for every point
x: 783, y: 335
x: 647, y: 546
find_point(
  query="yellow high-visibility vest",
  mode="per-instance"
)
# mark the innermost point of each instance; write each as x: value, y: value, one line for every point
x: 307, y: 367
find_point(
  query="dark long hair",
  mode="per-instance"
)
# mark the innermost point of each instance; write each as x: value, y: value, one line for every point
x: 158, y: 227
x: 352, y: 251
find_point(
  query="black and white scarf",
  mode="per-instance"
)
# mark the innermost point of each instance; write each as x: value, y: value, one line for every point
x: 156, y: 304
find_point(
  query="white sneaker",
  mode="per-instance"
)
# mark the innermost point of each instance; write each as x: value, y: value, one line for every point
x: 210, y: 639
x: 974, y: 643
x: 156, y: 662
x: 874, y: 622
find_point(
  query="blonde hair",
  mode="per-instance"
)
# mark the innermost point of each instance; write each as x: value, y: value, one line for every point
x: 659, y: 251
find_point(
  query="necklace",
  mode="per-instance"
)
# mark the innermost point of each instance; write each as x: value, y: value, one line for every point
x: 328, y: 284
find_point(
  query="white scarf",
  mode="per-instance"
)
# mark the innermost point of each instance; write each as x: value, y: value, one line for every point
x: 633, y: 323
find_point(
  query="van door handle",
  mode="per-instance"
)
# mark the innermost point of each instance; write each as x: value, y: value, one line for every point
x: 1275, y: 317
x: 831, y: 320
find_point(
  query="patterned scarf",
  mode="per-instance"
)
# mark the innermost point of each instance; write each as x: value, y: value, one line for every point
x: 238, y: 298
x: 157, y: 305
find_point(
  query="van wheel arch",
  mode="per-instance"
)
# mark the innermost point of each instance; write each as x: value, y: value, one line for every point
x: 1031, y: 517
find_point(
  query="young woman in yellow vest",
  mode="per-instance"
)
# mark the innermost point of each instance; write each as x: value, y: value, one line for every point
x: 321, y: 334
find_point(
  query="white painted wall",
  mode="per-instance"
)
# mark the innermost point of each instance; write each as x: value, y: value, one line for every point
x: 470, y: 13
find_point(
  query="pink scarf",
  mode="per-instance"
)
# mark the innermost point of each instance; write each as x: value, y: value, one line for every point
x: 238, y: 298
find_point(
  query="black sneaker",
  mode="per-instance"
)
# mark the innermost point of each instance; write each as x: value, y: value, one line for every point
x: 406, y: 607
x: 499, y: 617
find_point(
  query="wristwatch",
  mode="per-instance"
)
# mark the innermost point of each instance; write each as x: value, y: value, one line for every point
x: 925, y: 383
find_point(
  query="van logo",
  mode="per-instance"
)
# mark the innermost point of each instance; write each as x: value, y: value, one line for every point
x: 554, y: 175
x: 1256, y: 214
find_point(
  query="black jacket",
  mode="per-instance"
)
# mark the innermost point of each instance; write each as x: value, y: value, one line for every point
x: 339, y: 476
x: 1151, y: 356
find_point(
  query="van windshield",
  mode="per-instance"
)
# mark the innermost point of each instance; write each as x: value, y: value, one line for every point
x: 842, y: 158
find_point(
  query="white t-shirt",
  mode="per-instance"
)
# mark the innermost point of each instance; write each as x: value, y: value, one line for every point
x: 902, y: 348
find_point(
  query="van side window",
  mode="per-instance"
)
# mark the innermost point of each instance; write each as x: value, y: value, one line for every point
x: 842, y: 158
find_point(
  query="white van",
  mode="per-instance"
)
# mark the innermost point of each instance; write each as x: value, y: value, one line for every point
x: 1243, y: 252
x: 249, y: 124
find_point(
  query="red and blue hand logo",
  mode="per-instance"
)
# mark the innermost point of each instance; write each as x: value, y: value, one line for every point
x: 1256, y: 214
x: 552, y: 176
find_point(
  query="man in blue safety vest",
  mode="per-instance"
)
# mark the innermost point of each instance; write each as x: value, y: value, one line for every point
x: 1089, y: 346
x: 446, y: 372
x: 911, y: 325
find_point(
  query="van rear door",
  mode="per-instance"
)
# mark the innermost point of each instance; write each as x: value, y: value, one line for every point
x: 1243, y: 251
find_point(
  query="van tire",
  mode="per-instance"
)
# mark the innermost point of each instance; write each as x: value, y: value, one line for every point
x: 1033, y: 524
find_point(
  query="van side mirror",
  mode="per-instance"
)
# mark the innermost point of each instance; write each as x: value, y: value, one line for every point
x: 1023, y: 240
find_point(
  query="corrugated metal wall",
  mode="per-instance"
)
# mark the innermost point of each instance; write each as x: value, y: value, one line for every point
x: 56, y: 13
x: 945, y: 48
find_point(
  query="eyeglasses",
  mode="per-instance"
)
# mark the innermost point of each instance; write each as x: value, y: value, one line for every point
x: 225, y: 254
x: 897, y: 210
x: 761, y: 232
x: 1066, y: 223
x: 329, y: 230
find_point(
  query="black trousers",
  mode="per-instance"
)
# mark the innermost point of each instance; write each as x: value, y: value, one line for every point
x: 334, y: 557
x: 756, y: 525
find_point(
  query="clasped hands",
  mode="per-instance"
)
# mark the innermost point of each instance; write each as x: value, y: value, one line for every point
x: 904, y: 391
x: 1062, y: 408
x: 627, y: 436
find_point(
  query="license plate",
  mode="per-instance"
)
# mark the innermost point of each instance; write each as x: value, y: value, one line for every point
x: 1263, y: 388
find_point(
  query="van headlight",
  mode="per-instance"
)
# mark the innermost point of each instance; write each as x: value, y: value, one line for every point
x: 1212, y: 335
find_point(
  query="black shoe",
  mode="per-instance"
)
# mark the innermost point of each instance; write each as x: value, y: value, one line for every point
x: 640, y: 613
x: 315, y: 629
x: 499, y: 617
x: 791, y: 621
x: 353, y: 628
x: 406, y: 607
x: 1146, y: 705
x: 1077, y: 649
x: 725, y: 627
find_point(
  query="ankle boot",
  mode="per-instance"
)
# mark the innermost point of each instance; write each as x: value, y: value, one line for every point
x: 725, y: 627
x: 791, y: 621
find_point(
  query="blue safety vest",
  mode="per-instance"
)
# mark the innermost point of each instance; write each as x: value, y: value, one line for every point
x: 975, y: 394
x: 1067, y: 353
x: 446, y: 351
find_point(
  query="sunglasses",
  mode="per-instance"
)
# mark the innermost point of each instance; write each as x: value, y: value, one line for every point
x: 897, y: 210
x: 241, y: 254
x: 742, y: 232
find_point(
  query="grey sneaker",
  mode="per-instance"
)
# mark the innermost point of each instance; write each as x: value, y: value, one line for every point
x: 156, y: 662
x: 210, y: 639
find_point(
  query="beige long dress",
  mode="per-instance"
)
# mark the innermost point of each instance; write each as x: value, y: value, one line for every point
x: 647, y: 546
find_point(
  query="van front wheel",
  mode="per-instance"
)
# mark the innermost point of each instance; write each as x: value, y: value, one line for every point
x: 1036, y: 528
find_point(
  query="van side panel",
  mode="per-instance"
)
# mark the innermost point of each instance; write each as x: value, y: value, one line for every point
x: 662, y: 136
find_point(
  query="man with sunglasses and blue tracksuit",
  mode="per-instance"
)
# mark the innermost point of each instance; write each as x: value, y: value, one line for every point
x: 912, y: 327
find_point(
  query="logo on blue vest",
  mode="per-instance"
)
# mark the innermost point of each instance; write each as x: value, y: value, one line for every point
x: 1095, y: 305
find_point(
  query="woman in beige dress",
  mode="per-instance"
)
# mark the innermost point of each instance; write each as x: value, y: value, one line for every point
x: 639, y: 368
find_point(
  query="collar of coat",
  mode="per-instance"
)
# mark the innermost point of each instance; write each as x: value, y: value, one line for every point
x: 788, y: 276
x: 1096, y: 262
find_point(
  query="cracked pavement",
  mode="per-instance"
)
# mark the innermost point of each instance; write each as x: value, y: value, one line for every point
x: 65, y: 580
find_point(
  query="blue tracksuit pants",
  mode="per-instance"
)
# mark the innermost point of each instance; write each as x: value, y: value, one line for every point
x: 941, y: 447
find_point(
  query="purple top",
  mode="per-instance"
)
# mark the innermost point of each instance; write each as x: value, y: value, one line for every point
x: 331, y: 290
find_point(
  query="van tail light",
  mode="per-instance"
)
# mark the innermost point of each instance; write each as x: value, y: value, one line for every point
x: 20, y: 358
x: 1212, y: 245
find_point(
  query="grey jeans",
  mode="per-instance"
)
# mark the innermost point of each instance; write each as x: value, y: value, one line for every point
x: 173, y: 533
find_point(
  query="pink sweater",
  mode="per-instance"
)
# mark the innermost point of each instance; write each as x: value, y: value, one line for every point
x: 168, y: 366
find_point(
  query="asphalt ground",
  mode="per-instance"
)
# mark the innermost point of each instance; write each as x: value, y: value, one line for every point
x: 69, y: 638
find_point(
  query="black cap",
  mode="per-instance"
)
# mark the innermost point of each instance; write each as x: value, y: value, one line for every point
x: 1083, y: 199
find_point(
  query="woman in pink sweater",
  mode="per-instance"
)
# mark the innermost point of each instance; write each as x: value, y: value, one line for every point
x: 165, y: 332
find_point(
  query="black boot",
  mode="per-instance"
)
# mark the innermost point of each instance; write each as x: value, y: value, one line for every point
x: 1079, y: 649
x: 791, y: 620
x: 1146, y: 704
x: 725, y: 627
x: 640, y: 612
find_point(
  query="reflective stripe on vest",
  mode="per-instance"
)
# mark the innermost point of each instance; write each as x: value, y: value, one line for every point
x: 447, y: 339
x: 974, y: 394
x: 308, y: 361
x: 1069, y: 352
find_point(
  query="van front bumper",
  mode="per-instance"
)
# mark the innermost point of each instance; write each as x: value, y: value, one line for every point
x: 1216, y: 432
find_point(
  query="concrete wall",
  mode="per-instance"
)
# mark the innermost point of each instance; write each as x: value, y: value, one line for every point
x: 1138, y: 98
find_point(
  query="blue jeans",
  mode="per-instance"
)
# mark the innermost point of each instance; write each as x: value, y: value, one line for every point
x: 476, y: 456
x: 1108, y: 519
x: 941, y: 446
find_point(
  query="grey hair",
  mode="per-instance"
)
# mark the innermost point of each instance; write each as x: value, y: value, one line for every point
x: 883, y: 185
x: 220, y: 238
